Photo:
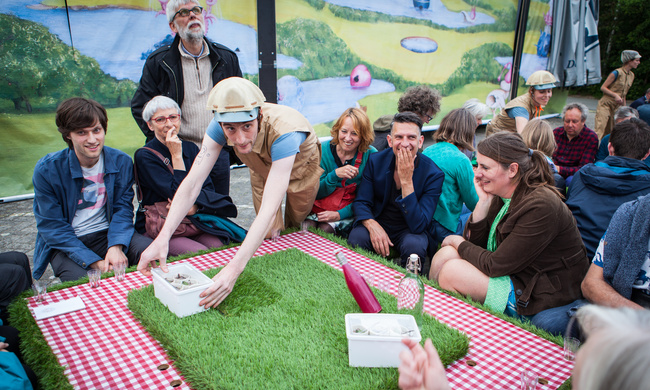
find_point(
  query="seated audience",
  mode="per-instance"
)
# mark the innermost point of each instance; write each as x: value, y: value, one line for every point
x: 420, y: 99
x: 644, y: 113
x: 343, y: 160
x: 620, y: 273
x: 599, y: 189
x: 160, y: 175
x: 478, y: 109
x: 576, y: 144
x: 521, y: 252
x: 455, y: 134
x: 614, y: 338
x: 645, y: 99
x: 83, y: 198
x: 538, y: 135
x: 622, y: 114
x: 398, y: 195
x: 15, y: 277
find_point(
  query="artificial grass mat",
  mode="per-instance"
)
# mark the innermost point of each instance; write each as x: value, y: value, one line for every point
x: 282, y: 326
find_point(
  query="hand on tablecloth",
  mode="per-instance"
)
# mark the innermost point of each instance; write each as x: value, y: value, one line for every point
x: 421, y: 368
x: 223, y: 284
x: 156, y: 251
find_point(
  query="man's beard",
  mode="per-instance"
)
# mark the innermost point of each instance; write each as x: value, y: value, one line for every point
x: 189, y: 35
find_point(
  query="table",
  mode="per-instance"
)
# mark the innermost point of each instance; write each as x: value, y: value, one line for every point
x: 105, y: 347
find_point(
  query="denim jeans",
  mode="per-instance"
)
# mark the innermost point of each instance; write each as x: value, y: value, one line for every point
x: 555, y: 320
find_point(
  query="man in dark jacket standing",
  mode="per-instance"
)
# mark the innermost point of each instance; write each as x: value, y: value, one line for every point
x: 186, y: 71
x: 598, y: 189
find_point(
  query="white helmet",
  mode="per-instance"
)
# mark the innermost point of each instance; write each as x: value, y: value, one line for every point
x: 235, y: 100
x: 541, y: 79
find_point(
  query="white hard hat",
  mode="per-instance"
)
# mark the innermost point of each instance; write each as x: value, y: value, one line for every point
x: 541, y: 79
x: 235, y: 100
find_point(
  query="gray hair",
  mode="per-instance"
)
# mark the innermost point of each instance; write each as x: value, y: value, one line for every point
x: 158, y: 103
x: 625, y: 112
x: 584, y: 111
x: 620, y: 360
x: 629, y: 55
x: 478, y: 109
x: 174, y: 5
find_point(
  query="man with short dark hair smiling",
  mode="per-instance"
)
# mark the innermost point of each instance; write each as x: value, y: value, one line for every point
x: 83, y: 199
x: 398, y: 195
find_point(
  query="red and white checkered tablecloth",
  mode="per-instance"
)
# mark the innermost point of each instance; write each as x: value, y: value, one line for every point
x: 105, y: 347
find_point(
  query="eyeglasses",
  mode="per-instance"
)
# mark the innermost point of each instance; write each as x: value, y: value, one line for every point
x: 184, y: 12
x: 161, y: 120
x: 429, y: 117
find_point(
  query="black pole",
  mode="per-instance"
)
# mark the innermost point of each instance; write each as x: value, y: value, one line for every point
x: 520, y: 35
x: 266, y: 42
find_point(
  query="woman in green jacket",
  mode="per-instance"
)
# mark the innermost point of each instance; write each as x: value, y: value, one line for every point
x: 343, y: 160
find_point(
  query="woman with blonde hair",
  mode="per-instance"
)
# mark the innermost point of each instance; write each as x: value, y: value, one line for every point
x: 455, y: 134
x: 538, y: 135
x: 343, y: 160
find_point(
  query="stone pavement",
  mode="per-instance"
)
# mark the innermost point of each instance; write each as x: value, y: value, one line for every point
x: 18, y: 227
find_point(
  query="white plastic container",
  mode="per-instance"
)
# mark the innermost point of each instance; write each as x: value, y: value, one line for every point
x: 375, y: 340
x: 180, y: 302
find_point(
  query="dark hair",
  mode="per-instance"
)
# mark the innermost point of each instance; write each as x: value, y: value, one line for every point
x: 506, y: 148
x: 361, y: 125
x: 406, y: 117
x: 631, y: 139
x: 77, y: 113
x: 457, y: 128
x: 420, y: 100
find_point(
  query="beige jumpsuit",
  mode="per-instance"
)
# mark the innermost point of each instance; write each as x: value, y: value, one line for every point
x: 607, y: 105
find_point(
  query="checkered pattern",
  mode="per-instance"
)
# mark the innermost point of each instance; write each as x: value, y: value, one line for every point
x: 105, y: 347
x: 408, y: 294
x: 571, y: 155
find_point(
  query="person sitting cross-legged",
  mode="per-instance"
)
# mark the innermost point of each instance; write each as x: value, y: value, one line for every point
x: 83, y: 199
x: 521, y: 252
x: 398, y: 195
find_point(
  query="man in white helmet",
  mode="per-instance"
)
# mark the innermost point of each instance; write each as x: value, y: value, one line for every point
x: 283, y: 154
x: 522, y: 109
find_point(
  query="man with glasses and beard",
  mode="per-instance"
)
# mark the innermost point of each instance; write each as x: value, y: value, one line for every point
x: 186, y: 71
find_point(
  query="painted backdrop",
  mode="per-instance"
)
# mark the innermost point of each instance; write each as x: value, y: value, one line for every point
x: 331, y: 55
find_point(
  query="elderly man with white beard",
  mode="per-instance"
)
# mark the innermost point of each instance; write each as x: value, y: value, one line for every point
x: 186, y: 71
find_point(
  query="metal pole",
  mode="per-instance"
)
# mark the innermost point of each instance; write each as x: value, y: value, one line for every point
x: 520, y: 35
x: 266, y: 42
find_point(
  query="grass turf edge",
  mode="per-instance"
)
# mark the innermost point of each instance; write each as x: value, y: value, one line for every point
x: 39, y: 355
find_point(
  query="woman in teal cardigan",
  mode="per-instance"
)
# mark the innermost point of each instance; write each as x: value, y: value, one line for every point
x: 344, y: 158
x: 455, y: 134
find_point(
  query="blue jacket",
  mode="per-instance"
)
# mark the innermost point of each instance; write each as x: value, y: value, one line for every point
x: 598, y: 189
x: 58, y: 181
x: 417, y: 208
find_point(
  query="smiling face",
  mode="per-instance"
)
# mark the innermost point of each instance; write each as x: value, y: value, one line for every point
x: 542, y: 96
x: 349, y: 139
x: 494, y: 178
x: 161, y: 129
x: 241, y: 134
x: 635, y: 63
x: 88, y: 144
x: 191, y: 27
x: 405, y: 136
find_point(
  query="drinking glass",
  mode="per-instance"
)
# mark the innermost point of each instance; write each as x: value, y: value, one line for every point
x: 120, y: 271
x: 571, y: 345
x: 40, y: 288
x: 529, y: 380
x: 94, y: 276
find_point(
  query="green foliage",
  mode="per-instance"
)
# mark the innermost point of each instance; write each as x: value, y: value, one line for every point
x: 504, y: 19
x: 623, y: 25
x: 318, y: 4
x: 37, y: 70
x: 281, y: 327
x: 324, y: 54
x: 476, y: 65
